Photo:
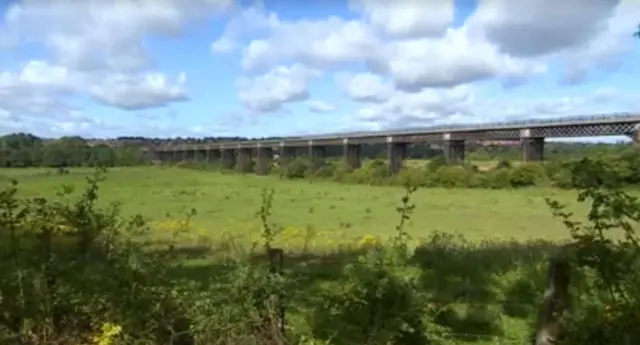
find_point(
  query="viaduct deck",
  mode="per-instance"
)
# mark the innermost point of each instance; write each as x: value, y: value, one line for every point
x: 530, y: 133
x: 579, y: 126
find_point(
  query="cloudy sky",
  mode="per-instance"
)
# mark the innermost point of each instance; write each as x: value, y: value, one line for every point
x: 105, y: 68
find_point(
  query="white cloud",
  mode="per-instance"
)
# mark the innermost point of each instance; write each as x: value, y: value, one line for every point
x: 317, y: 106
x: 583, y: 33
x: 318, y: 43
x: 415, y: 45
x: 268, y: 92
x: 40, y: 89
x: 38, y: 74
x: 74, y: 122
x: 452, y: 60
x: 533, y: 28
x: 365, y: 87
x: 96, y: 34
x: 247, y: 21
x: 223, y: 45
x: 407, y: 109
x: 463, y: 104
x: 139, y: 91
x: 408, y: 18
x: 97, y: 50
x: 414, y: 66
x: 454, y: 57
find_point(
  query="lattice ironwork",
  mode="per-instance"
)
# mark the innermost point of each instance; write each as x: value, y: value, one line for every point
x: 546, y: 131
x: 493, y: 134
x: 418, y: 138
x: 592, y: 130
x: 584, y: 120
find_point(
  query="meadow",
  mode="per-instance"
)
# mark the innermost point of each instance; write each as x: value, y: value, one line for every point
x: 226, y: 202
x: 479, y: 259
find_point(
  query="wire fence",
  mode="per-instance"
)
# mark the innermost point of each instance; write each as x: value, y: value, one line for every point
x: 276, y: 261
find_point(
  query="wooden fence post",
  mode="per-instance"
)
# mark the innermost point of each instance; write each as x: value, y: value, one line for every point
x: 555, y: 301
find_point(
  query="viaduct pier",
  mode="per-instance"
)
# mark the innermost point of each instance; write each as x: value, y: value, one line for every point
x: 530, y: 133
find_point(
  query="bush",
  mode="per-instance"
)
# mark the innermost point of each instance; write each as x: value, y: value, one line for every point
x: 559, y: 173
x: 606, y: 309
x: 412, y: 177
x: 74, y: 268
x: 296, y: 169
x: 450, y: 177
x: 436, y: 163
x: 371, y: 172
x: 503, y: 164
x: 377, y: 305
x: 496, y: 179
x: 327, y: 170
x: 527, y: 174
x: 77, y: 273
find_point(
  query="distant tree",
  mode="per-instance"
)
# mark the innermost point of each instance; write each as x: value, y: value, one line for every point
x: 27, y: 150
x: 637, y: 33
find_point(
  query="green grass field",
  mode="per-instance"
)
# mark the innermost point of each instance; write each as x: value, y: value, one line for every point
x: 224, y: 201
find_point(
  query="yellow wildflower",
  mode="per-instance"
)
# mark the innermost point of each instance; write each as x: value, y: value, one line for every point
x: 368, y: 241
x: 291, y: 233
x: 107, y: 335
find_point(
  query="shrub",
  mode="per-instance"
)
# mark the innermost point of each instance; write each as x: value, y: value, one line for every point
x: 326, y: 170
x: 606, y: 311
x: 450, y: 177
x: 371, y: 172
x: 379, y: 303
x: 559, y: 173
x: 295, y: 169
x: 75, y: 272
x: 411, y: 176
x: 74, y: 267
x: 496, y: 179
x: 435, y: 163
x: 527, y: 174
x: 503, y: 164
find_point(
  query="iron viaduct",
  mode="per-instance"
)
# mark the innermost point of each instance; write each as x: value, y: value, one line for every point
x: 530, y: 133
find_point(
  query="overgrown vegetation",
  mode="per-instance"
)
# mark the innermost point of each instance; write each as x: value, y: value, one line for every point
x: 77, y: 272
x: 436, y: 173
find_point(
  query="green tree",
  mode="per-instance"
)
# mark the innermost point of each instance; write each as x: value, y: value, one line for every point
x: 54, y: 156
x: 18, y: 141
x: 102, y: 155
x: 28, y: 150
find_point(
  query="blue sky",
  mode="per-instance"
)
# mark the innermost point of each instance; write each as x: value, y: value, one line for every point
x: 214, y: 67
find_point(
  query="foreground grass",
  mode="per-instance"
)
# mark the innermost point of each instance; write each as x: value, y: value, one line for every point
x: 230, y: 201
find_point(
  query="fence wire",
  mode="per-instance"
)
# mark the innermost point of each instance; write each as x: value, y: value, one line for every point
x: 283, y: 265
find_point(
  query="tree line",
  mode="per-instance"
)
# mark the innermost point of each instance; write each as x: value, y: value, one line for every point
x: 28, y: 150
x: 23, y: 150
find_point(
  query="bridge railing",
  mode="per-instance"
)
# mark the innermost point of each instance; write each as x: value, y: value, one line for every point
x: 574, y: 120
x: 501, y: 125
